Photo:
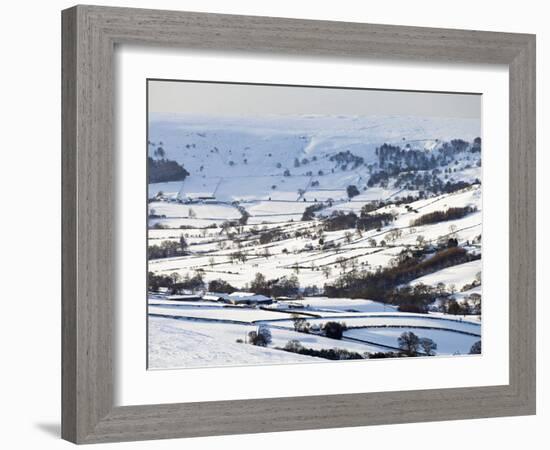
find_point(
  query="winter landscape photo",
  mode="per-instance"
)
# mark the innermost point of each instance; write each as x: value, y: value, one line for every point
x: 290, y: 224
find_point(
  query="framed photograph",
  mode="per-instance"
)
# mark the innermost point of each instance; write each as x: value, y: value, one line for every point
x: 278, y: 224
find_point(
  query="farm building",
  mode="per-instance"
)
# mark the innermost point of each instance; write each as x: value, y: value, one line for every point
x: 248, y: 298
x: 215, y: 297
x: 184, y: 297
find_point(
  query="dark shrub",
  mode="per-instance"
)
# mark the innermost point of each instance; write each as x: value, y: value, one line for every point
x: 408, y: 307
x: 221, y: 286
x: 352, y: 191
x: 334, y: 330
x: 261, y: 337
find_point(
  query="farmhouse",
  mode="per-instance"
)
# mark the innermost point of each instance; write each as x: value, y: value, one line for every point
x: 185, y: 297
x: 248, y: 298
x: 215, y: 297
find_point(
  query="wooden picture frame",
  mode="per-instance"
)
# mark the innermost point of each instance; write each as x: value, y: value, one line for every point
x: 90, y: 34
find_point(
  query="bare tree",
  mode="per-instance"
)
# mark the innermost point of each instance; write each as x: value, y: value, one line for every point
x: 300, y: 324
x: 183, y: 243
x: 428, y: 346
x: 408, y: 343
x: 343, y: 263
x: 452, y: 230
x: 348, y: 236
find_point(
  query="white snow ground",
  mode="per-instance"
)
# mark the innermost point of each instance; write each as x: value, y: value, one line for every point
x: 243, y: 160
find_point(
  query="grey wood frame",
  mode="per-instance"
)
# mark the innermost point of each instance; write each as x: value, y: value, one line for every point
x: 89, y: 37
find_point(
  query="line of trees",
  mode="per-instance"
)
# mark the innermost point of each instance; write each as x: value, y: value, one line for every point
x: 168, y: 249
x: 174, y: 283
x: 334, y: 354
x: 453, y: 213
x: 221, y: 286
x: 339, y: 220
x: 278, y: 287
x: 383, y: 283
x: 309, y: 212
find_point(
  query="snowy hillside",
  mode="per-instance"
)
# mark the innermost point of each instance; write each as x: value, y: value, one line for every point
x: 243, y: 158
x: 373, y: 223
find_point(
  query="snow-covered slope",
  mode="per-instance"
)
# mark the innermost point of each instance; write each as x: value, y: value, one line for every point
x: 245, y: 158
x: 246, y: 208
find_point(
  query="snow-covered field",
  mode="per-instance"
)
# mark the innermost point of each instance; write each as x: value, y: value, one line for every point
x: 184, y: 335
x: 178, y: 344
x: 242, y: 210
x: 448, y: 342
x: 457, y: 276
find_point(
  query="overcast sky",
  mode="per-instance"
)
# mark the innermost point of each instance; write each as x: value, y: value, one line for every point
x: 227, y: 99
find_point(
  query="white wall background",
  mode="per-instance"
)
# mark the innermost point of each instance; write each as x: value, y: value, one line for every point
x: 31, y: 237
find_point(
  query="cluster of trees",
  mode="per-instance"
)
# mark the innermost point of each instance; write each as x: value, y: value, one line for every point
x: 395, y: 201
x: 347, y: 159
x: 162, y: 170
x: 419, y: 169
x: 382, y: 283
x: 380, y: 178
x: 155, y: 282
x: 238, y: 256
x: 304, y: 161
x: 470, y: 305
x: 278, y: 287
x: 453, y: 307
x: 334, y: 330
x: 261, y: 337
x: 221, y: 286
x: 371, y: 221
x: 415, y: 298
x: 340, y: 220
x: 168, y: 249
x: 187, y: 283
x: 269, y: 236
x: 380, y: 355
x: 411, y: 345
x: 426, y: 182
x: 174, y: 283
x: 453, y: 213
x: 309, y: 212
x: 331, y: 329
x: 396, y: 159
x: 352, y: 191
